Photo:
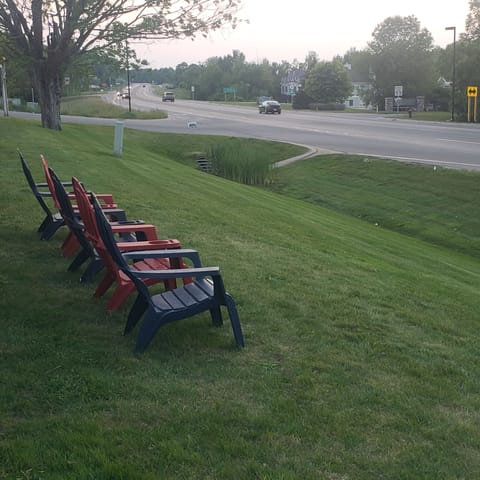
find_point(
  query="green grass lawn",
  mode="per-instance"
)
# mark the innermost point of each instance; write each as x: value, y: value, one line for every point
x: 361, y: 358
x: 434, y: 204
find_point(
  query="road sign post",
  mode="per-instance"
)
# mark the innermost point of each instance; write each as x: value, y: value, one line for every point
x: 229, y: 90
x: 398, y: 94
x: 292, y: 91
x: 397, y: 103
x: 472, y: 93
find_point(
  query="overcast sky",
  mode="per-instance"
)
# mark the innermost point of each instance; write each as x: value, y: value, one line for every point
x: 289, y: 29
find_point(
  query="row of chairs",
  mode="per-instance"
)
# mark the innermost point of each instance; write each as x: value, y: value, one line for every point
x: 131, y: 257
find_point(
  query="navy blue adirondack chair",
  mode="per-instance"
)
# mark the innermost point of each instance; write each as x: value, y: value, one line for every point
x: 52, y: 221
x: 205, y: 293
x: 76, y: 227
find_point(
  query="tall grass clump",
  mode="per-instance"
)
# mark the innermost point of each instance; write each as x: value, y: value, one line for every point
x: 243, y: 164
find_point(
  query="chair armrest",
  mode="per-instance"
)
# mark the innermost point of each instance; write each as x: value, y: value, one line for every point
x: 105, y: 205
x: 128, y: 222
x: 177, y: 273
x: 176, y: 253
x: 118, y: 213
x: 45, y: 184
x: 105, y: 197
x: 170, y: 243
x: 148, y: 230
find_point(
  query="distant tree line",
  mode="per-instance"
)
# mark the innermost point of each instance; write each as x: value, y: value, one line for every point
x: 401, y: 52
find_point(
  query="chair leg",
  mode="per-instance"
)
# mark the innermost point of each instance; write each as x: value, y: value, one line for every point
x: 79, y: 260
x: 216, y: 315
x: 70, y: 245
x: 149, y: 327
x: 50, y: 229
x: 135, y: 314
x: 119, y: 296
x: 104, y: 285
x: 235, y: 321
x: 93, y: 268
x: 47, y: 221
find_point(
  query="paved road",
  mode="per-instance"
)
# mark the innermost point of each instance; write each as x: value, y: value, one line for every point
x: 442, y: 144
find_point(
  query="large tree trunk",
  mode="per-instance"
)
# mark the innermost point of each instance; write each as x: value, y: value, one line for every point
x: 48, y: 83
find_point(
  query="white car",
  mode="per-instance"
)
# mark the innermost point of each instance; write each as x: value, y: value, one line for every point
x: 168, y: 97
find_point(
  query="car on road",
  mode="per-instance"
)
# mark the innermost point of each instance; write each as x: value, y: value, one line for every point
x: 270, y: 106
x: 168, y: 97
x: 125, y: 95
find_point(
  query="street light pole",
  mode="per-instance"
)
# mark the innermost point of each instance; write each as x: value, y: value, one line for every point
x: 128, y: 78
x: 3, y: 81
x: 453, y: 69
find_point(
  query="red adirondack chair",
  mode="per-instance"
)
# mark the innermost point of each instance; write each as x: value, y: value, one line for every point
x: 71, y: 245
x: 124, y: 287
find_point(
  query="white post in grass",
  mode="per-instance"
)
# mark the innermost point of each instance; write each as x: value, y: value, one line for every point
x: 118, y: 140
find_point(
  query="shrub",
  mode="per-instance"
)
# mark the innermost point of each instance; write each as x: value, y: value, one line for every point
x: 244, y: 165
x: 326, y: 106
x: 301, y: 100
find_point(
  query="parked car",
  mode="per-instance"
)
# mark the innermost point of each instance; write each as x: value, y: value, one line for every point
x: 168, y: 97
x: 270, y: 106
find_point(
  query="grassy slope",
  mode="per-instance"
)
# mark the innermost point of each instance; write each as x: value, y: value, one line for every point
x: 362, y: 344
x: 437, y: 205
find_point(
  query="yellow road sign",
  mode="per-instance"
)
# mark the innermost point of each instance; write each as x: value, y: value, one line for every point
x: 472, y: 91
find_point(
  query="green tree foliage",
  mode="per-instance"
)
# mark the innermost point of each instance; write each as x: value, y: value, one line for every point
x: 159, y: 76
x: 467, y: 71
x: 51, y: 35
x: 310, y: 60
x: 472, y: 23
x: 249, y: 79
x: 328, y: 82
x: 360, y: 62
x: 401, y: 54
x: 16, y: 72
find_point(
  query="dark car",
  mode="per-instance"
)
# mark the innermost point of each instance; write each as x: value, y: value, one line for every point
x: 168, y: 97
x: 270, y: 106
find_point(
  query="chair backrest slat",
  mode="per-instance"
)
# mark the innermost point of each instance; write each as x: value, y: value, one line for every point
x: 68, y: 214
x: 33, y: 185
x: 51, y: 187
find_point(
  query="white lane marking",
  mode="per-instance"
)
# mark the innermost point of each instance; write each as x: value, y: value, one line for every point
x: 457, y: 141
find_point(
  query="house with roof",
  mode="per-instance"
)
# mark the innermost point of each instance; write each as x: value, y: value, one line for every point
x: 292, y: 83
x: 361, y: 84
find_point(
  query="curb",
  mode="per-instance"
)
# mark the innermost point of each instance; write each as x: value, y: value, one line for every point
x: 312, y: 152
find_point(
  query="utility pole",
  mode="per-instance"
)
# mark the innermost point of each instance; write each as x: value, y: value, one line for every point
x: 128, y: 78
x: 454, y: 29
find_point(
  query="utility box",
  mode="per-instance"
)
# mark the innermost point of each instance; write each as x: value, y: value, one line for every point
x: 118, y: 140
